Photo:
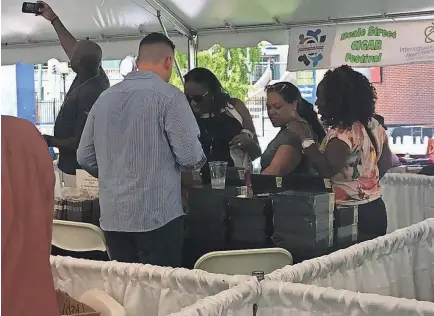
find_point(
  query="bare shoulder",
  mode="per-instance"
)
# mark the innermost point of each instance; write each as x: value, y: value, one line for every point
x: 296, y: 126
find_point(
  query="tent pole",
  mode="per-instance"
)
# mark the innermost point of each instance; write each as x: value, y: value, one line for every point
x: 179, y: 24
x: 174, y: 56
x: 40, y: 90
x: 192, y: 51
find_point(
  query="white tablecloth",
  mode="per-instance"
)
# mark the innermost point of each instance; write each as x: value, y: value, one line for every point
x: 400, y: 264
x: 292, y: 299
x: 409, y: 199
x: 235, y: 301
x: 274, y: 298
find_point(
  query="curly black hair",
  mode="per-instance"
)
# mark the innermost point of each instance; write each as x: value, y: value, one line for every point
x: 348, y: 97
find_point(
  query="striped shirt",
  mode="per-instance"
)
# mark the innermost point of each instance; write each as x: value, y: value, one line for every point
x: 138, y: 137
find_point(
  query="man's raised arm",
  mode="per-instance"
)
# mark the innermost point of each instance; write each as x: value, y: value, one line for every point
x: 67, y: 40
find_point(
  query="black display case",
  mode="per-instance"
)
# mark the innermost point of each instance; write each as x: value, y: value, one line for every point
x: 206, y: 226
x: 303, y: 223
x: 249, y: 222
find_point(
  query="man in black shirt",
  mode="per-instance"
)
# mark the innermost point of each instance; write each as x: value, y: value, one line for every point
x: 90, y: 82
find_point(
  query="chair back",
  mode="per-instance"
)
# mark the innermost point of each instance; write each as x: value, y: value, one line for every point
x: 102, y: 303
x: 244, y: 262
x: 77, y: 236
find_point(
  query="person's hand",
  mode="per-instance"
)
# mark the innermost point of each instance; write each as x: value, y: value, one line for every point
x: 47, y: 12
x: 47, y: 139
x: 240, y: 141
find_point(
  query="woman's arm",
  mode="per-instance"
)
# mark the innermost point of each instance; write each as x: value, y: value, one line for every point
x: 385, y: 161
x: 332, y: 161
x: 284, y: 161
x: 251, y: 145
x: 335, y: 155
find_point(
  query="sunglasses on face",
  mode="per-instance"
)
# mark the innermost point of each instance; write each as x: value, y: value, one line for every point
x: 196, y: 98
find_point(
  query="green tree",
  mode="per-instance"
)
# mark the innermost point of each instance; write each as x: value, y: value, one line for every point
x: 231, y: 66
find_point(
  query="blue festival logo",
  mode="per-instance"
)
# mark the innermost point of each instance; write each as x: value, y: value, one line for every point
x: 311, y: 47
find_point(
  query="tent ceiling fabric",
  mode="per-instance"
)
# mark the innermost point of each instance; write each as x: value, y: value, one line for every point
x: 119, y: 24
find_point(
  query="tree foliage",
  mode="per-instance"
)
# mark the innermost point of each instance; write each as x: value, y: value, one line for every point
x: 232, y: 67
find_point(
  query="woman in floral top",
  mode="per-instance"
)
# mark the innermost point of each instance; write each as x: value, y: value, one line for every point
x: 355, y: 153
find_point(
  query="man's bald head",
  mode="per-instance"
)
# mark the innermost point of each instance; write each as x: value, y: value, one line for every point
x: 156, y: 53
x: 87, y: 56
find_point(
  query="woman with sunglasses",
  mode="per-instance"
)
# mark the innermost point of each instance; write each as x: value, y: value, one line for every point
x: 287, y: 110
x: 355, y: 153
x: 226, y: 126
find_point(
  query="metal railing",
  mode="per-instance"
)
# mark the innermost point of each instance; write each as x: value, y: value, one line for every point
x: 47, y: 111
x: 258, y: 110
x: 413, y: 138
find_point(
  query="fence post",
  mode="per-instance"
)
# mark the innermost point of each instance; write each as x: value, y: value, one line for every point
x: 37, y: 110
x: 54, y: 110
x: 262, y: 115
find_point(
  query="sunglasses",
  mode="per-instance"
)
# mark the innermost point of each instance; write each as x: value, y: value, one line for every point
x: 196, y: 98
x: 277, y: 87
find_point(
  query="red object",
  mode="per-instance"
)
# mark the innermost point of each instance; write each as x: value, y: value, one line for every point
x: 376, y: 75
x: 430, y: 149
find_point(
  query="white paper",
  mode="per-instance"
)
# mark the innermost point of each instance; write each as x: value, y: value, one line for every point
x: 86, y: 182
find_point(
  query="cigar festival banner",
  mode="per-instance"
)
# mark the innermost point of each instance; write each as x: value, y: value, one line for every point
x: 363, y: 45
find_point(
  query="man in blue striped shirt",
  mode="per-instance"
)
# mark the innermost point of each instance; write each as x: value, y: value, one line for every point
x: 139, y: 136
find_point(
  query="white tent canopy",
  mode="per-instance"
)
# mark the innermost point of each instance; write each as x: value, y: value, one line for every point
x: 118, y: 25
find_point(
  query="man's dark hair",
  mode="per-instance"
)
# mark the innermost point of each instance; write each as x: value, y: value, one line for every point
x: 89, y: 54
x: 157, y: 38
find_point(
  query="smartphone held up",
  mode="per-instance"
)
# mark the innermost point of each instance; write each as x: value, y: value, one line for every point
x: 32, y: 7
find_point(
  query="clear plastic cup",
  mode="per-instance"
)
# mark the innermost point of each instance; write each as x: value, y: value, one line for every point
x: 217, y: 170
x: 242, y: 191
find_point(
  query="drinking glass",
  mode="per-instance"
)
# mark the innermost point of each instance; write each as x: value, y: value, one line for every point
x: 217, y: 170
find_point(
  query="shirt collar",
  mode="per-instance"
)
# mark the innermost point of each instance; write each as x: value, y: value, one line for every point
x: 141, y: 75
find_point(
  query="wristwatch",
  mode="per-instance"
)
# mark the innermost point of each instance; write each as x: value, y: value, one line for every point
x: 307, y: 142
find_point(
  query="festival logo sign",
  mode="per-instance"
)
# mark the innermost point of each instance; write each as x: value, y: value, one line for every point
x: 423, y: 51
x: 429, y: 34
x: 311, y: 47
x: 366, y: 44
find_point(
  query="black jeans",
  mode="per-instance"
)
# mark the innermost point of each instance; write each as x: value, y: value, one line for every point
x: 372, y: 220
x: 161, y: 247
